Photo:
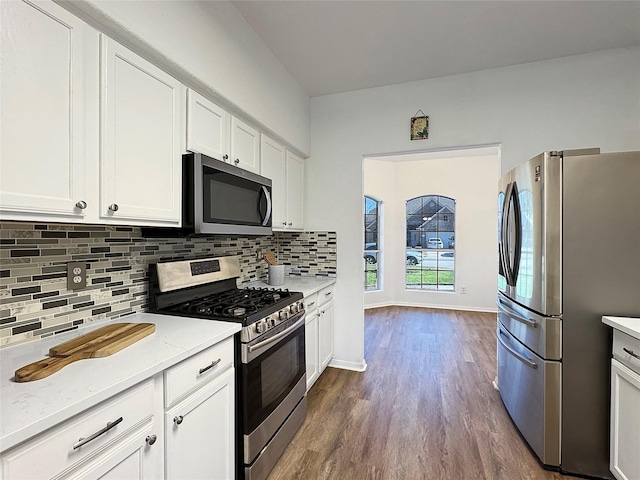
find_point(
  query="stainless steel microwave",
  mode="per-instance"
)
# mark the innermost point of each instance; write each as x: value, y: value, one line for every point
x: 220, y: 198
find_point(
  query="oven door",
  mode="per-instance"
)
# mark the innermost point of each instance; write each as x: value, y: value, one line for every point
x: 273, y: 381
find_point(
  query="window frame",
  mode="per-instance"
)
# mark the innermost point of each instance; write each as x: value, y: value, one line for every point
x: 376, y: 270
x: 430, y: 221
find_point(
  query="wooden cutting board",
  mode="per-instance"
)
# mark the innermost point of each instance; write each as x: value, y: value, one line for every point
x: 101, y: 342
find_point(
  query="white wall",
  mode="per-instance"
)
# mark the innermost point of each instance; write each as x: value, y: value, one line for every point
x: 573, y: 102
x: 471, y: 181
x: 210, y: 46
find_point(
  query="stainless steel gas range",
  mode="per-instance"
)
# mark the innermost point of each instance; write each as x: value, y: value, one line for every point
x: 270, y: 350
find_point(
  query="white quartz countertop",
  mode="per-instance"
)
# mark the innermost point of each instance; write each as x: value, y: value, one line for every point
x: 27, y: 409
x: 306, y: 285
x: 628, y: 325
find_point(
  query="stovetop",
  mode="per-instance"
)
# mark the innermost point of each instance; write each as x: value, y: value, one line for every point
x: 207, y: 288
x: 242, y: 305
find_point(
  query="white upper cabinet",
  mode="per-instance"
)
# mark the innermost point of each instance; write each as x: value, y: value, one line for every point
x: 91, y: 132
x: 245, y: 146
x: 142, y: 142
x: 272, y: 165
x: 214, y: 132
x: 295, y: 192
x: 208, y: 127
x: 286, y: 172
x: 49, y: 66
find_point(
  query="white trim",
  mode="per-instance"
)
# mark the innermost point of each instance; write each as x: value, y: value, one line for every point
x: 344, y: 365
x: 466, y: 308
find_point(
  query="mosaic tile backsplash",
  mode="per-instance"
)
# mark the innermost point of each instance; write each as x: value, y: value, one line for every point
x: 35, y: 301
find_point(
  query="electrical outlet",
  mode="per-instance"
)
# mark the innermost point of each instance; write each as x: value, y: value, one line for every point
x: 76, y: 275
x: 463, y: 289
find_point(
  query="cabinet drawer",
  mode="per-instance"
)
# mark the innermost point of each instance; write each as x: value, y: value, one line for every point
x: 197, y: 370
x: 623, y: 346
x: 311, y: 303
x: 325, y: 295
x: 56, y: 450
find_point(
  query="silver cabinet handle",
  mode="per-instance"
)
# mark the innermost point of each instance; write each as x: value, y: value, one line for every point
x: 290, y: 224
x: 515, y: 316
x: 213, y: 364
x: 114, y: 207
x: 151, y: 439
x: 284, y: 223
x: 81, y: 205
x: 328, y: 294
x: 630, y: 352
x: 84, y: 441
x: 523, y: 359
x: 225, y: 157
x: 311, y: 304
x: 237, y: 161
x: 178, y: 420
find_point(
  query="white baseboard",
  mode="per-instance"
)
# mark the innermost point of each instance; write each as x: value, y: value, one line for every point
x: 465, y: 308
x: 344, y: 365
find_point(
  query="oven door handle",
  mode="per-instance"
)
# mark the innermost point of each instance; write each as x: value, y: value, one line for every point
x: 277, y: 337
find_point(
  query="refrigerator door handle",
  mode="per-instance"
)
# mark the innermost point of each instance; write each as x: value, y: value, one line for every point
x: 517, y: 214
x: 504, y: 236
x: 513, y: 314
x: 523, y: 359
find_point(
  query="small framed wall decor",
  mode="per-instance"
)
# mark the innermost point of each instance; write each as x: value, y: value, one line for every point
x: 419, y: 126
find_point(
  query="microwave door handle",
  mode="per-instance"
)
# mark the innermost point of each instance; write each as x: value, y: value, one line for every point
x: 267, y: 215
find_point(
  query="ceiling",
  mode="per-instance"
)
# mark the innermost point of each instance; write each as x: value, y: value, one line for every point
x: 339, y: 46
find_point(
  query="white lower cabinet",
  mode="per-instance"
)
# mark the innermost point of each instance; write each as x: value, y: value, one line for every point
x: 325, y: 334
x: 311, y: 348
x: 199, y: 436
x: 114, y: 439
x: 625, y: 407
x: 318, y: 332
x: 179, y: 424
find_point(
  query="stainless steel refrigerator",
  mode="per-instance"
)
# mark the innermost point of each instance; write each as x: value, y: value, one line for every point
x: 569, y: 253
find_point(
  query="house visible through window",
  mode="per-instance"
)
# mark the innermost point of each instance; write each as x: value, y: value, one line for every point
x: 430, y: 251
x: 372, y: 252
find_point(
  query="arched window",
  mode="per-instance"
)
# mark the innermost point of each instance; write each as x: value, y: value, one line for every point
x: 372, y: 252
x: 430, y: 224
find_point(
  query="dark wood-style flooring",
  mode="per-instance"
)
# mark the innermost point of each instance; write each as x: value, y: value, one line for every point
x: 425, y: 408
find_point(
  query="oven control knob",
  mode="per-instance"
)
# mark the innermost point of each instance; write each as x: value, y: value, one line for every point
x: 284, y: 314
x: 272, y: 321
x: 261, y: 326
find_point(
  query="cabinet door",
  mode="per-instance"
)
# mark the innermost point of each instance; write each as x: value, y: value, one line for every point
x: 207, y: 127
x: 272, y: 165
x: 45, y: 71
x: 295, y: 192
x: 142, y: 109
x: 134, y: 458
x: 326, y: 334
x: 311, y: 348
x: 245, y: 146
x: 625, y: 422
x: 199, y: 436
